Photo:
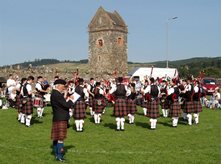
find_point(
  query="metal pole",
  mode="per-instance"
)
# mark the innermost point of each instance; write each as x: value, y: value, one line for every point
x: 167, y: 40
x: 167, y: 46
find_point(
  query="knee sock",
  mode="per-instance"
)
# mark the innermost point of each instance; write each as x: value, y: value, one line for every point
x: 130, y: 118
x: 38, y: 111
x: 60, y: 150
x: 19, y: 116
x: 96, y: 118
x: 77, y: 125
x: 28, y: 120
x: 22, y: 118
x: 118, y: 123
x: 175, y: 121
x: 41, y: 112
x: 166, y: 112
x: 122, y: 123
x: 163, y: 111
x: 145, y: 111
x: 196, y: 118
x: 189, y: 116
x: 81, y: 122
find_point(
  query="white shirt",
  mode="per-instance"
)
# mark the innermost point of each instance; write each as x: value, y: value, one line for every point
x: 38, y: 86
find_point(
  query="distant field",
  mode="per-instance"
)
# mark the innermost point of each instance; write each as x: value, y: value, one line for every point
x: 102, y: 144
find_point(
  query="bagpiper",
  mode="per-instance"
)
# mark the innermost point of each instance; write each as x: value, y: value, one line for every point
x: 152, y: 93
x: 120, y: 110
x: 27, y: 103
x: 99, y: 103
x: 174, y: 105
x: 131, y: 102
x: 79, y: 113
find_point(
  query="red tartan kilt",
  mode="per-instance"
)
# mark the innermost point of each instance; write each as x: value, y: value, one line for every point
x: 188, y: 107
x: 131, y: 106
x: 120, y: 108
x: 98, y: 108
x: 175, y: 109
x: 153, y: 109
x: 79, y: 110
x: 27, y: 108
x: 59, y: 130
x: 197, y: 107
x: 90, y: 101
x: 18, y: 103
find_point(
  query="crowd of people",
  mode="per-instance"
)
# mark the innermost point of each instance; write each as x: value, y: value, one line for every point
x: 71, y: 98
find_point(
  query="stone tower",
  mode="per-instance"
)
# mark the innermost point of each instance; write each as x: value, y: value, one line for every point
x: 107, y: 44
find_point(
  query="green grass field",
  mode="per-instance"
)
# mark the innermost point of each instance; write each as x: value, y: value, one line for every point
x: 102, y: 144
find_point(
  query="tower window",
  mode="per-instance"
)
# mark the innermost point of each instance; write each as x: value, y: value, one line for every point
x: 100, y: 43
x: 120, y: 41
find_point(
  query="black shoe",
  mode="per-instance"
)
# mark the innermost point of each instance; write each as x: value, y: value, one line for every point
x: 122, y: 129
x: 117, y: 129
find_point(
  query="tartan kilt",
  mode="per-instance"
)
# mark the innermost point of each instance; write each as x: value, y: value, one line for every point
x: 188, y: 107
x: 18, y: 103
x: 27, y: 108
x: 59, y: 130
x: 120, y: 108
x: 79, y: 110
x: 131, y: 106
x: 153, y: 109
x: 90, y: 101
x: 175, y: 109
x: 98, y: 108
x: 197, y: 107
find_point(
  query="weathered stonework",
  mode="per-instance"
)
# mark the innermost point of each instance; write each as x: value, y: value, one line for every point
x: 107, y: 44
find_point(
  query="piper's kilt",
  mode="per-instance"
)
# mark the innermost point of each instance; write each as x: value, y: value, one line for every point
x: 79, y: 110
x: 188, y: 107
x: 59, y: 130
x: 120, y: 108
x: 175, y: 109
x: 197, y: 107
x: 98, y: 105
x: 153, y: 109
x: 27, y: 108
x: 18, y: 104
x: 131, y: 106
x: 90, y: 101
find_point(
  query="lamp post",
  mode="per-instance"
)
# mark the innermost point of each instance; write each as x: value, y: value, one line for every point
x: 167, y: 39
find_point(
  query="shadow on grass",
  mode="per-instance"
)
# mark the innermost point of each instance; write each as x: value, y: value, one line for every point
x: 169, y: 124
x: 36, y: 120
x: 142, y: 124
x: 110, y: 125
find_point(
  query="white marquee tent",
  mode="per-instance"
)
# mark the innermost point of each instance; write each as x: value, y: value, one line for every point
x: 144, y: 72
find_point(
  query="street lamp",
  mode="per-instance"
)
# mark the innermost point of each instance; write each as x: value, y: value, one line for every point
x: 167, y: 39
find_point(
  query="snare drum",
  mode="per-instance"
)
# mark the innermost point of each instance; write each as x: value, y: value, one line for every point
x: 37, y: 102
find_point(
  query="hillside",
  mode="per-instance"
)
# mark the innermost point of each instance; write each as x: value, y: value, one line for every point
x: 50, y: 67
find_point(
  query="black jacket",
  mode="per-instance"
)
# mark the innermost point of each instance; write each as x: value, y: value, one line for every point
x: 60, y: 107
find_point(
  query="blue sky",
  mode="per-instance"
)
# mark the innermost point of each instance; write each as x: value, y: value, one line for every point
x: 58, y: 29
